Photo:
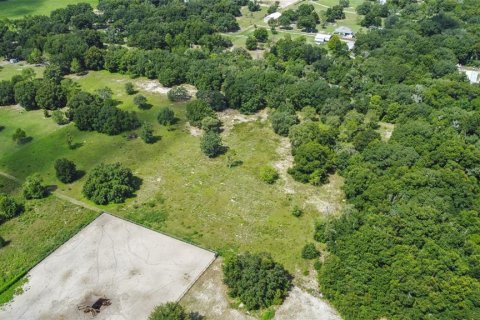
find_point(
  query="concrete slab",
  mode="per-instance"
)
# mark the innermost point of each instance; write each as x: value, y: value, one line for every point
x: 136, y: 268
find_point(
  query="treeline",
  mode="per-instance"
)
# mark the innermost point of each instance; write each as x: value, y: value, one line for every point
x: 407, y: 246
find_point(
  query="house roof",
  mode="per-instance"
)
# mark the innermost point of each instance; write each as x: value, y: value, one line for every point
x: 343, y: 29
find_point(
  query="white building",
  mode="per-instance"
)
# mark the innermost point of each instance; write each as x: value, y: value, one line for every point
x: 322, y: 37
x: 274, y: 15
x: 344, y: 32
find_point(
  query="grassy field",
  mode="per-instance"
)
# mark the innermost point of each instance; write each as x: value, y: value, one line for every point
x: 44, y: 226
x: 183, y: 193
x: 14, y: 9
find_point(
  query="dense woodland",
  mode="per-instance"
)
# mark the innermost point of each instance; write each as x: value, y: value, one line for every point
x: 407, y: 246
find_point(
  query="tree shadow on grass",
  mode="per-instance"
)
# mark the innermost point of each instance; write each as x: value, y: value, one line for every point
x: 145, y: 106
x: 51, y: 189
x: 79, y: 175
x: 76, y: 145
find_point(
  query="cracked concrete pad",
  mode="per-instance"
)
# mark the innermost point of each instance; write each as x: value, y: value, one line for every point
x: 136, y: 268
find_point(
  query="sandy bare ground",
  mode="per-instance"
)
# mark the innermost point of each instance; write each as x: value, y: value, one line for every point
x: 326, y: 199
x: 283, y: 3
x: 208, y: 297
x: 136, y: 268
x: 232, y: 117
x: 386, y: 130
x: 194, y: 131
x: 151, y: 86
x: 302, y: 305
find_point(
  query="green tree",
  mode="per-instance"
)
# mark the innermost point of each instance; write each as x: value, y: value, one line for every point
x: 94, y: 59
x: 312, y: 163
x: 7, y: 95
x: 309, y: 251
x: 251, y: 43
x: 146, y: 132
x: 129, y: 88
x: 65, y: 170
x: 268, y: 174
x: 177, y: 94
x: 261, y: 34
x: 75, y: 66
x: 33, y: 187
x: 364, y: 137
x: 140, y: 101
x: 169, y: 311
x: 257, y: 280
x: 282, y: 121
x: 166, y: 116
x: 211, y: 124
x: 19, y: 136
x: 9, y: 208
x: 50, y: 96
x: 215, y: 99
x: 197, y: 110
x: 25, y: 92
x: 108, y: 183
x: 211, y: 144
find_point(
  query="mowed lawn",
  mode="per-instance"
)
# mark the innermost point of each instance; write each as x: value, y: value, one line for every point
x: 44, y: 226
x: 14, y: 9
x: 184, y: 193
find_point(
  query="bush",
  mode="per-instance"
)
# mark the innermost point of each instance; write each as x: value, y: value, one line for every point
x: 33, y: 187
x: 129, y: 88
x: 65, y: 170
x: 7, y: 95
x: 261, y: 34
x: 169, y: 311
x: 108, y: 183
x: 146, y: 133
x: 215, y: 99
x: 211, y: 144
x: 140, y: 101
x: 256, y: 280
x: 59, y: 117
x: 309, y: 251
x: 177, y: 94
x: 211, y: 124
x: 166, y: 116
x: 19, y: 136
x: 269, y: 174
x: 297, y: 212
x: 9, y: 208
x: 3, y: 243
x: 282, y: 121
x: 251, y: 43
x: 197, y: 110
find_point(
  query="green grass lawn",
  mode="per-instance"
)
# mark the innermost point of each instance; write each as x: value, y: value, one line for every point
x: 183, y: 193
x: 43, y: 227
x: 14, y: 9
x: 8, y: 70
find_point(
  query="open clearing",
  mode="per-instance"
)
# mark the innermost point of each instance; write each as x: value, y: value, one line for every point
x: 14, y: 9
x: 134, y: 267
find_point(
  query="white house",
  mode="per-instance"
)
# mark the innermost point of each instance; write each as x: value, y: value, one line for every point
x: 274, y: 15
x: 344, y: 32
x: 322, y: 37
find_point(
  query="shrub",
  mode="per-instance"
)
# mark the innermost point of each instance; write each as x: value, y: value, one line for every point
x: 166, y: 116
x: 297, y: 211
x: 282, y: 121
x: 146, y: 133
x: 59, y: 117
x: 256, y: 280
x: 169, y: 311
x: 313, y: 163
x: 215, y: 99
x: 65, y: 170
x: 177, y: 94
x: 211, y: 144
x: 197, y: 110
x: 9, y: 208
x: 19, y: 136
x: 211, y: 124
x: 129, y: 88
x: 269, y: 174
x: 33, y: 187
x: 261, y: 34
x: 251, y: 43
x: 108, y: 183
x: 7, y: 94
x: 140, y: 101
x: 309, y: 251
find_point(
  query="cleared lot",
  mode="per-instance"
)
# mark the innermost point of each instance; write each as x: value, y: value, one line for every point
x: 134, y: 267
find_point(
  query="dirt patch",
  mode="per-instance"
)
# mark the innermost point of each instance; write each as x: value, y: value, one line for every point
x: 208, y: 297
x: 194, y: 131
x: 152, y: 86
x: 329, y: 198
x: 386, y: 130
x: 232, y: 117
x: 284, y: 162
x: 302, y: 305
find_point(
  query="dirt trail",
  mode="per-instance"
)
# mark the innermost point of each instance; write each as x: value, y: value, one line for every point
x: 231, y: 117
